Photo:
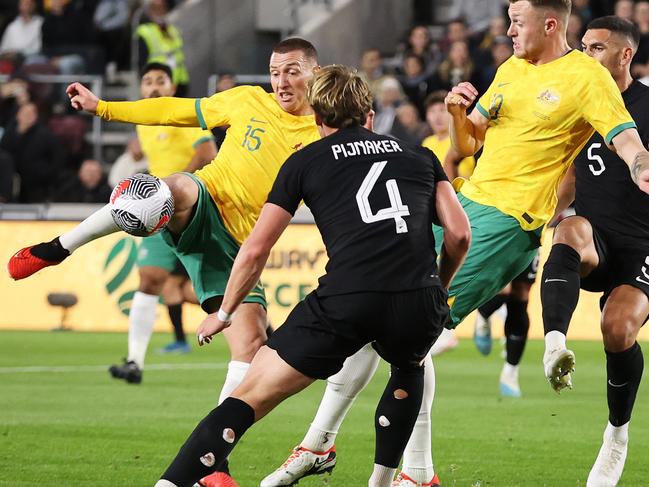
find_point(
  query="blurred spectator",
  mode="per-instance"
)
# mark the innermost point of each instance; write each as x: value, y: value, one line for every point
x: 456, y: 31
x: 89, y: 186
x: 497, y: 28
x: 640, y: 66
x: 407, y: 125
x: 161, y: 42
x: 67, y: 35
x: 23, y: 36
x: 457, y: 67
x: 415, y: 81
x: 389, y: 98
x: 6, y: 176
x: 476, y: 13
x: 624, y: 9
x: 132, y: 161
x: 501, y: 51
x: 439, y: 142
x: 111, y: 19
x: 584, y: 10
x: 575, y: 31
x: 37, y: 154
x: 13, y: 94
x: 372, y: 69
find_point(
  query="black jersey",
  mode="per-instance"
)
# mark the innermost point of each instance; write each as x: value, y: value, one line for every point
x: 373, y: 200
x: 606, y: 195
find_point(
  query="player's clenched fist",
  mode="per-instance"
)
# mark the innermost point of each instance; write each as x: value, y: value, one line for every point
x: 210, y: 326
x: 81, y: 98
x: 460, y: 98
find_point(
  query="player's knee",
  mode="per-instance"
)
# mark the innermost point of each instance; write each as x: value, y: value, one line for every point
x: 619, y: 329
x: 184, y: 190
x: 245, y: 350
x: 574, y: 231
x: 151, y: 281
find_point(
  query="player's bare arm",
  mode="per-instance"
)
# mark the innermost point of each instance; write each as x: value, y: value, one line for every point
x: 467, y: 131
x: 451, y: 162
x: 457, y: 232
x: 629, y: 147
x: 247, y: 268
x: 204, y: 153
x: 177, y: 112
x: 565, y: 193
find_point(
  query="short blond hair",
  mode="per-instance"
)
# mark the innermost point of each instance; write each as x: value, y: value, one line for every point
x: 339, y: 96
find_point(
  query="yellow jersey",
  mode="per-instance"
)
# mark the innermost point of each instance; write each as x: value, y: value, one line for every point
x: 260, y: 137
x: 169, y: 149
x: 539, y: 119
x: 440, y: 148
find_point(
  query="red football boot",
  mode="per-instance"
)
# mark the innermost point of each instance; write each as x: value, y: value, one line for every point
x: 23, y: 263
x: 218, y: 479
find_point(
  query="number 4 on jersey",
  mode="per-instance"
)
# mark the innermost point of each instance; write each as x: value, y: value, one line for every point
x: 396, y: 211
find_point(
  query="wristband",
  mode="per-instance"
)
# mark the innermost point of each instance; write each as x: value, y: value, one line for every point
x: 224, y: 315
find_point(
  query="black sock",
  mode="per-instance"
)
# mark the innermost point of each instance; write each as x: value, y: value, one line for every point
x: 623, y: 371
x: 50, y: 251
x: 210, y: 443
x: 176, y: 317
x: 560, y: 288
x: 491, y: 306
x: 395, y: 418
x: 517, y: 325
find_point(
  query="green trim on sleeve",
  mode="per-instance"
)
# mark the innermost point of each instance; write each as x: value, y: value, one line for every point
x: 199, y: 114
x: 482, y: 110
x: 620, y: 128
x: 205, y: 138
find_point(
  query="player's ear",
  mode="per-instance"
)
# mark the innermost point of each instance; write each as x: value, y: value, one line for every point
x: 318, y: 119
x: 627, y: 56
x: 316, y: 68
x: 550, y: 25
x: 174, y: 88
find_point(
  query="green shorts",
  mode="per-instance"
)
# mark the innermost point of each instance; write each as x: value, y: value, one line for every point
x: 155, y: 252
x: 500, y: 251
x: 207, y: 250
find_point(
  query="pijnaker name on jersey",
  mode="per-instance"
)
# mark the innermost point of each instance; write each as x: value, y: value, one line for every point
x: 365, y: 147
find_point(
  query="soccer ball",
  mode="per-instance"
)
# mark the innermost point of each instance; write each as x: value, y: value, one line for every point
x: 141, y: 205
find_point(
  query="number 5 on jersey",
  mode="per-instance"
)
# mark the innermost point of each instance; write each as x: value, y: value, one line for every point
x: 396, y: 211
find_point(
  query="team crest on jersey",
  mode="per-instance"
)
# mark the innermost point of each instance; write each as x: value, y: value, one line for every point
x: 495, y: 106
x: 297, y: 146
x: 549, y: 98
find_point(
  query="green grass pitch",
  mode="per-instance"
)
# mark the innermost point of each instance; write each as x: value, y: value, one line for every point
x: 77, y: 427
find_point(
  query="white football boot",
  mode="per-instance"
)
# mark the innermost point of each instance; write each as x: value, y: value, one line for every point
x: 559, y: 365
x: 301, y: 463
x: 608, y: 467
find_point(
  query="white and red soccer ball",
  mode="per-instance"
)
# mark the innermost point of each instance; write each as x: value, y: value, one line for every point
x: 141, y: 205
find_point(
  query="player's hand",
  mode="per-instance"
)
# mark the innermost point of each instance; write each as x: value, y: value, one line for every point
x: 210, y: 327
x: 81, y: 98
x: 460, y: 98
x: 643, y: 180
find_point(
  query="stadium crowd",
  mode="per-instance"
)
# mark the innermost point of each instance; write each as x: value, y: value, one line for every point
x: 44, y: 156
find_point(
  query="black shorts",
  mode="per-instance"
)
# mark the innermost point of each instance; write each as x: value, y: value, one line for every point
x: 622, y: 260
x: 529, y: 274
x: 321, y: 332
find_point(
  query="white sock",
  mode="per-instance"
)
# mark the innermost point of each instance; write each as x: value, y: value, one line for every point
x: 555, y: 340
x: 510, y: 370
x: 140, y: 326
x: 339, y: 396
x: 164, y: 483
x: 418, y: 455
x: 236, y: 372
x: 381, y: 476
x: 619, y: 433
x: 99, y: 224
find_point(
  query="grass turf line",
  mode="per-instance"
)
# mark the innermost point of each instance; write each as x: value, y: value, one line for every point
x: 85, y: 429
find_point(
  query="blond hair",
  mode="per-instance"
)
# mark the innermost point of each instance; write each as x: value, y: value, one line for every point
x: 339, y: 96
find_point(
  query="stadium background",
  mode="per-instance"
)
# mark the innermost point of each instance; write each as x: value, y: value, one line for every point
x: 47, y: 189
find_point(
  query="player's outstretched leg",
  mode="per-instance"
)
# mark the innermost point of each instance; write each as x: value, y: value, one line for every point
x: 395, y: 417
x: 418, y: 469
x: 32, y: 259
x: 316, y: 453
x: 482, y: 330
x: 573, y: 255
x: 625, y: 311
